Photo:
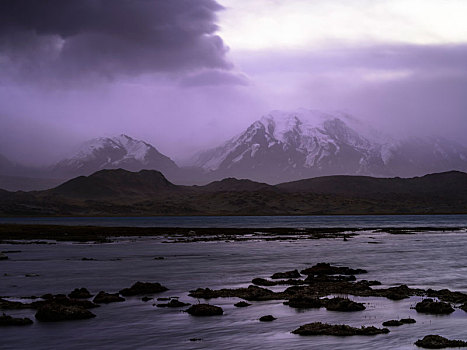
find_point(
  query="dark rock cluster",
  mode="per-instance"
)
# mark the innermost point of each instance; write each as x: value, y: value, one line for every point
x: 429, y: 306
x: 318, y: 328
x: 6, y: 320
x: 397, y: 323
x: 205, y: 310
x: 439, y: 342
x: 107, y: 298
x: 141, y: 288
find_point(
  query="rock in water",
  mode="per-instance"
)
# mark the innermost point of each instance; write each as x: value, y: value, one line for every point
x: 106, y: 298
x: 263, y: 282
x: 80, y: 293
x: 6, y: 320
x: 342, y: 304
x: 439, y: 342
x: 396, y: 323
x: 328, y: 269
x: 287, y: 274
x: 204, y: 310
x: 267, y: 318
x: 140, y: 288
x: 304, y: 302
x: 429, y: 306
x: 242, y: 304
x: 53, y: 312
x: 318, y: 328
x: 173, y: 303
x: 408, y: 320
x: 392, y: 323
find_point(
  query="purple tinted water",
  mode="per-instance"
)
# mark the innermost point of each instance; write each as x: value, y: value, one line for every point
x: 435, y: 260
x: 256, y: 221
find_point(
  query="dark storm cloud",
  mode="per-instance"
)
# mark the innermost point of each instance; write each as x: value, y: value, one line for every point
x: 108, y: 37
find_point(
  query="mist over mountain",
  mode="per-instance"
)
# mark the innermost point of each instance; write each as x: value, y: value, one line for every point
x: 290, y: 145
x: 281, y: 146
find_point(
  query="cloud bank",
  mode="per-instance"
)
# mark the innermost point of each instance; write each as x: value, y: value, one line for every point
x: 109, y: 37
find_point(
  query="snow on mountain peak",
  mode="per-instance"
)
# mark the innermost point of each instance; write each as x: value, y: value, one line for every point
x: 298, y: 139
x: 127, y: 146
x: 120, y: 151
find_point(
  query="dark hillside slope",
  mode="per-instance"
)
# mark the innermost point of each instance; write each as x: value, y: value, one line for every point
x: 114, y: 183
x: 148, y: 192
x: 453, y: 183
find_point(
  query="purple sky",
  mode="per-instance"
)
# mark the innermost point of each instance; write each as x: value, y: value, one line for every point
x: 186, y: 75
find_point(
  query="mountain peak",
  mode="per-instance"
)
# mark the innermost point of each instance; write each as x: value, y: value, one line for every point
x: 120, y: 151
x: 289, y: 145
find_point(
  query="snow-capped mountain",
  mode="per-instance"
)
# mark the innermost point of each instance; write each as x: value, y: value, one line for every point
x: 111, y: 153
x: 288, y: 145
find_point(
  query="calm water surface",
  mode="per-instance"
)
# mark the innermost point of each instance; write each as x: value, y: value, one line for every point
x: 431, y: 260
x: 255, y: 221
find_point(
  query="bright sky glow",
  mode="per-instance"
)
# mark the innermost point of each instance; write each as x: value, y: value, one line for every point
x: 274, y: 24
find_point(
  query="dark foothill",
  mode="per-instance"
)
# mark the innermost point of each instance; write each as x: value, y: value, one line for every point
x: 6, y: 320
x: 318, y: 328
x: 88, y: 259
x: 145, y: 299
x: 140, y: 288
x: 429, y: 306
x: 439, y: 342
x: 327, y: 269
x: 53, y: 312
x: 3, y: 256
x: 173, y: 303
x: 464, y: 307
x: 159, y: 258
x: 242, y: 304
x: 287, y: 274
x: 267, y: 318
x: 163, y: 299
x: 304, y: 302
x: 204, y: 310
x: 343, y: 304
x: 80, y: 293
x: 106, y: 298
x: 195, y: 339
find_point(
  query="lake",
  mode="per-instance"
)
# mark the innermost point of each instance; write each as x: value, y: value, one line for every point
x: 425, y: 260
x: 255, y: 221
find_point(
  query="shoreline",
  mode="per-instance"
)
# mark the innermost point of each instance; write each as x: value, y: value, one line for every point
x: 103, y: 234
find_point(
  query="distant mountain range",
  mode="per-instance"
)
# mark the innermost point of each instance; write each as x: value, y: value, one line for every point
x: 148, y: 192
x: 284, y: 146
x: 281, y: 146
